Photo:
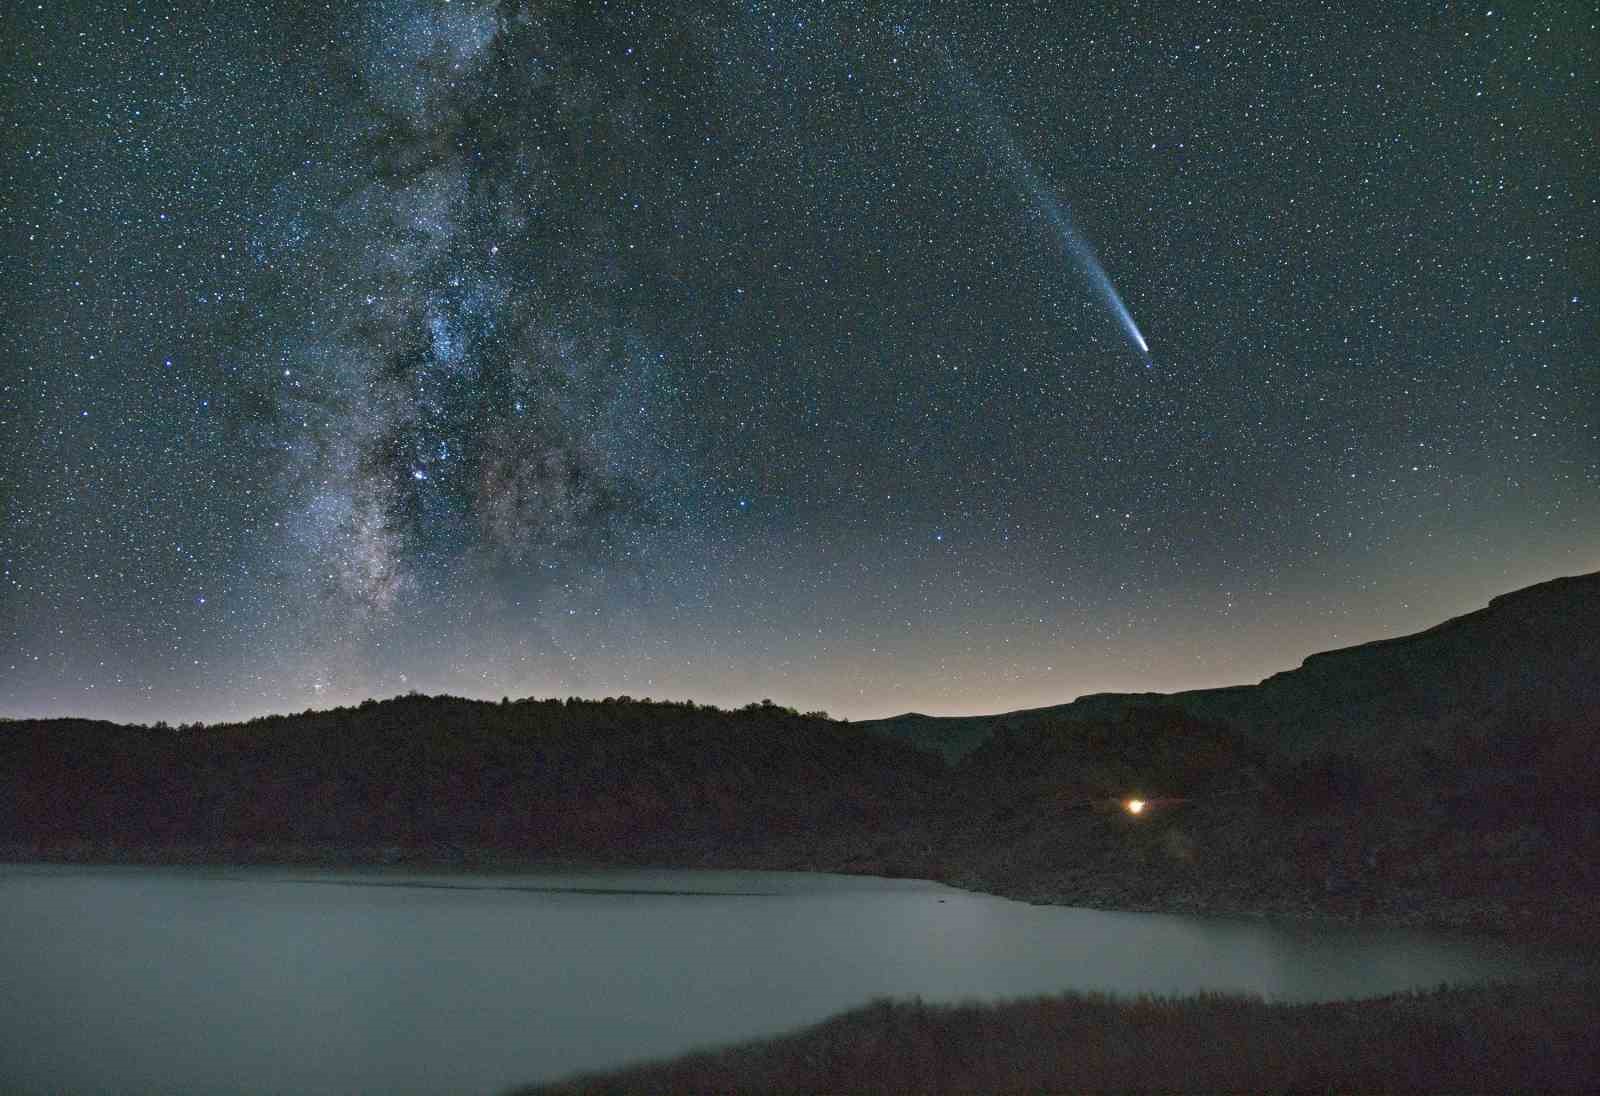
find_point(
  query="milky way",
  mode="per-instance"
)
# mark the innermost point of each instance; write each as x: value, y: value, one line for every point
x: 773, y: 351
x: 463, y: 412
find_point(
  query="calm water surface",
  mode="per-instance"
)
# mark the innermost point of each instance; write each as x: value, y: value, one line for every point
x: 276, y: 980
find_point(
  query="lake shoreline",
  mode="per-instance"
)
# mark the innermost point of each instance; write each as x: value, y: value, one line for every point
x: 1463, y: 919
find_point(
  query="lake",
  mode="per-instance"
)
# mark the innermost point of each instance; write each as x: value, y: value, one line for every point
x: 320, y: 981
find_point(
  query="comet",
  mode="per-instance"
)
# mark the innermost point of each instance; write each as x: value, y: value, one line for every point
x: 1082, y: 254
x: 1001, y: 150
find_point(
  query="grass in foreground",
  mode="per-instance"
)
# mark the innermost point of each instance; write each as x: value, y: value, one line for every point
x: 1536, y: 1037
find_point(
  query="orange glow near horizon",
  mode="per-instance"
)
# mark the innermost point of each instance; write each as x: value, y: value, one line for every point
x: 1135, y: 806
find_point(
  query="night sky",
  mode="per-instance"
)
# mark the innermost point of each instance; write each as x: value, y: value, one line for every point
x: 792, y: 351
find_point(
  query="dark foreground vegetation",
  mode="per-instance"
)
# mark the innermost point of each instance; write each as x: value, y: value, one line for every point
x: 1525, y: 1038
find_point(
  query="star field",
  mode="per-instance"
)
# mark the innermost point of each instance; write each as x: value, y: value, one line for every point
x: 750, y: 351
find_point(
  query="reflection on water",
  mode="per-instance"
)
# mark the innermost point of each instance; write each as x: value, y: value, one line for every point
x: 261, y: 980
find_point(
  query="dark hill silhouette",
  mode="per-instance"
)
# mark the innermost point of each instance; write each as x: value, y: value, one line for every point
x: 1531, y: 656
x: 443, y: 778
x: 1452, y: 776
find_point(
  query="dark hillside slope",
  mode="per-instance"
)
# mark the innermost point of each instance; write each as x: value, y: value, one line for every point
x: 623, y: 781
x: 951, y: 737
x: 1532, y: 657
x: 1500, y: 830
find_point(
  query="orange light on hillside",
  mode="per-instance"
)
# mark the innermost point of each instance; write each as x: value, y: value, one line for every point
x: 1135, y: 806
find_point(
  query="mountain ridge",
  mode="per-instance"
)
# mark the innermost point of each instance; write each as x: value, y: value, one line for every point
x: 1557, y: 620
